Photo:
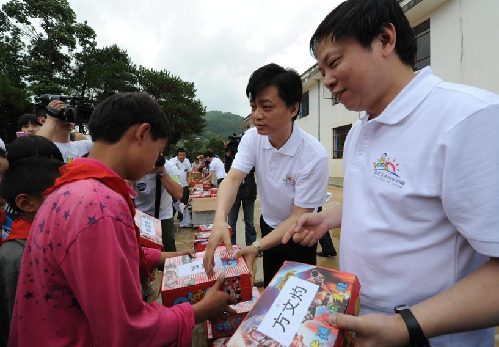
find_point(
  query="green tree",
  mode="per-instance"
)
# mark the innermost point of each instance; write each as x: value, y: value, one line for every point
x: 177, y: 99
x: 13, y: 102
x: 50, y: 35
x: 102, y: 72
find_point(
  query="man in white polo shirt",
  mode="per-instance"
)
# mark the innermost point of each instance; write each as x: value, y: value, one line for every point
x: 290, y: 169
x: 420, y: 217
x: 183, y: 166
x: 216, y: 168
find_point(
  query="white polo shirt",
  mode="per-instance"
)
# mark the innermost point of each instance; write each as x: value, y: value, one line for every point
x: 296, y: 174
x: 421, y: 196
x: 73, y: 149
x: 218, y: 167
x: 183, y: 168
x: 146, y: 193
x: 2, y: 144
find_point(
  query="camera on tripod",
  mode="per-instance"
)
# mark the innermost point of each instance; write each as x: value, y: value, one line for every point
x: 76, y: 110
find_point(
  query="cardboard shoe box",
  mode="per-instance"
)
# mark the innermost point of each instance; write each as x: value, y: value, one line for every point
x: 150, y: 230
x: 184, y: 278
x: 294, y: 309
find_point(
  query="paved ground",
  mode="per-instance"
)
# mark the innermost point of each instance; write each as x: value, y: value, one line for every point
x: 184, y: 237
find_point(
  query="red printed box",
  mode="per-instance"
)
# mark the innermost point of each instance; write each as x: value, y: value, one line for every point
x: 294, y: 309
x: 184, y: 278
x: 226, y: 327
x: 150, y: 230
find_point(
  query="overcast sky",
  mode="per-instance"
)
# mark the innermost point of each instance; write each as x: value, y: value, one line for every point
x: 214, y: 43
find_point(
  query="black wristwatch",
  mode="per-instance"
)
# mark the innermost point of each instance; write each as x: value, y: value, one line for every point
x: 416, y: 335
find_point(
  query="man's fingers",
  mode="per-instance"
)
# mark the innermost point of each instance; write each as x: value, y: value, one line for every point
x: 228, y: 243
x: 288, y: 235
x: 345, y: 321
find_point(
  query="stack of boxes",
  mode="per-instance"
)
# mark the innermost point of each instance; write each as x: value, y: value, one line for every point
x: 202, y: 235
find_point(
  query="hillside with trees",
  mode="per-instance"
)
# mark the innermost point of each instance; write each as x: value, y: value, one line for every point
x: 223, y: 123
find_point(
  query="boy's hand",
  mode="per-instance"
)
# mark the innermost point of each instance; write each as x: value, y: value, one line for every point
x: 215, y: 304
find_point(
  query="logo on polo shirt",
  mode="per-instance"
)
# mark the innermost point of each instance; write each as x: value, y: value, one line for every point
x: 387, y: 170
x: 288, y: 179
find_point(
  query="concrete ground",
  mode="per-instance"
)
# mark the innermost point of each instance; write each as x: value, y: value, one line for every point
x: 184, y: 238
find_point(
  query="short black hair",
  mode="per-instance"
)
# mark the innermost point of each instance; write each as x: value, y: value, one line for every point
x: 112, y: 118
x: 27, y: 118
x: 30, y: 176
x: 287, y: 82
x: 209, y: 154
x: 180, y: 149
x: 32, y: 146
x: 3, y: 153
x: 363, y: 21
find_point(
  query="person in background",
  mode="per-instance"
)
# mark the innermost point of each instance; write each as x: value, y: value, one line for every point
x: 22, y: 189
x: 246, y: 196
x: 419, y: 221
x: 183, y: 166
x: 290, y: 167
x: 166, y: 175
x: 84, y: 266
x: 216, y: 168
x: 28, y: 124
x: 59, y: 132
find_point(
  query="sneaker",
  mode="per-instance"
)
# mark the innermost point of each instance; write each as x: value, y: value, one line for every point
x: 327, y: 254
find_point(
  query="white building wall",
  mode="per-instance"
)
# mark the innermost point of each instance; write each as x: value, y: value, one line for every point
x: 464, y: 38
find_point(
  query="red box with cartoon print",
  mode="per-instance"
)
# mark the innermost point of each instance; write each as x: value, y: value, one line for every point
x: 150, y: 230
x: 226, y: 327
x: 294, y: 309
x: 184, y: 278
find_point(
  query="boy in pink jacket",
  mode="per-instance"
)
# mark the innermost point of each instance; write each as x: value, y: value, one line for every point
x: 80, y: 280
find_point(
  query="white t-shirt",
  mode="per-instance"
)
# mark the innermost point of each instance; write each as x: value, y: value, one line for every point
x: 421, y: 196
x: 218, y: 167
x: 146, y: 194
x: 2, y: 144
x: 296, y: 174
x: 74, y: 149
x: 183, y: 168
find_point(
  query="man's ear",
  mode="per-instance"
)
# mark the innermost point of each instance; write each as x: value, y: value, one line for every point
x: 142, y: 131
x: 26, y: 203
x: 388, y: 38
x: 294, y: 109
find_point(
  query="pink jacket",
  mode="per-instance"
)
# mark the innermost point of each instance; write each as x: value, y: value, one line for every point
x: 79, y: 282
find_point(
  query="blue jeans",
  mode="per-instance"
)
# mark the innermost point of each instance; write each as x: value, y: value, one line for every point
x: 248, y: 211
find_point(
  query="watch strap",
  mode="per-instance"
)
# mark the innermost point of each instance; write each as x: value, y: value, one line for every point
x: 416, y: 336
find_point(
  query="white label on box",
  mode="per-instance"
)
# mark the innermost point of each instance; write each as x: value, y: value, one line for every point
x: 288, y: 310
x: 147, y: 228
x: 195, y: 267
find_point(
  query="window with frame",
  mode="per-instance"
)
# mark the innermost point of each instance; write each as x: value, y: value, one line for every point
x: 423, y: 54
x: 339, y: 137
x: 305, y: 105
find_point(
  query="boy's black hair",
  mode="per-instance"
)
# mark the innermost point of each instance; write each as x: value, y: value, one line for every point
x: 180, y: 149
x: 30, y: 176
x: 27, y: 118
x: 3, y: 153
x: 112, y: 118
x: 32, y: 146
x: 209, y: 154
x: 287, y: 82
x: 363, y: 21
